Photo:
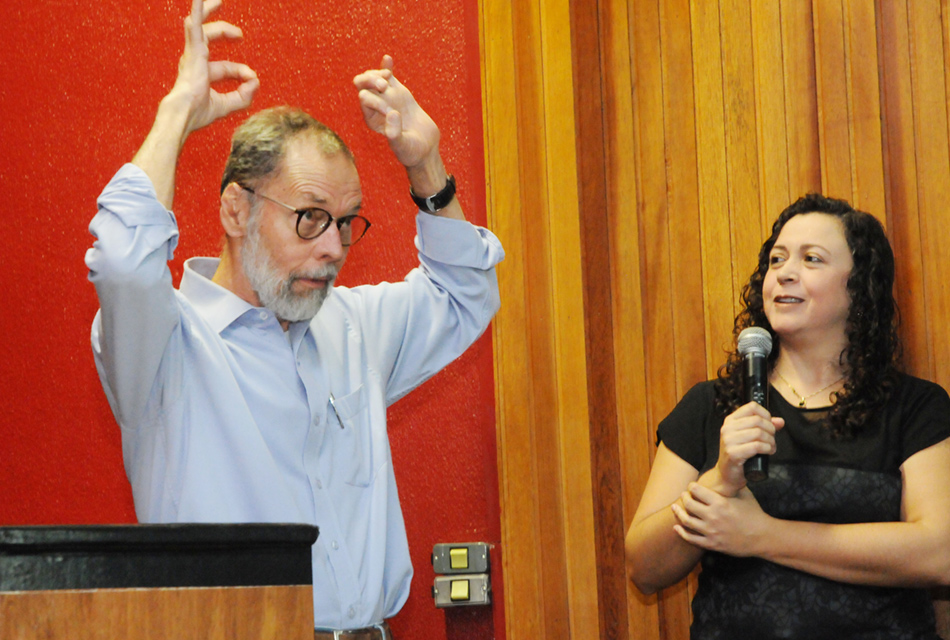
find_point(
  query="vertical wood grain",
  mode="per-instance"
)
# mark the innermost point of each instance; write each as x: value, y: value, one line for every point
x: 933, y: 167
x: 549, y: 540
x: 685, y: 243
x: 801, y: 99
x: 865, y: 99
x: 678, y: 130
x: 682, y: 186
x: 834, y: 132
x: 901, y: 182
x: 590, y: 48
x: 742, y: 161
x: 514, y: 364
x: 771, y: 117
x: 653, y: 213
x: 715, y: 222
x: 547, y: 499
x: 569, y: 320
x: 625, y: 274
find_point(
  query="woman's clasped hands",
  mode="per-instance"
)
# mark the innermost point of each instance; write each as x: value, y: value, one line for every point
x: 727, y: 518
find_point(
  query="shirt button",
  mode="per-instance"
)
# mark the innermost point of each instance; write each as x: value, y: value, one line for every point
x: 318, y: 484
x: 334, y: 545
x: 351, y: 612
x: 263, y: 315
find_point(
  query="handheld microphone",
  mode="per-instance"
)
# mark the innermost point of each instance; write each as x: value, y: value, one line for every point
x: 755, y: 345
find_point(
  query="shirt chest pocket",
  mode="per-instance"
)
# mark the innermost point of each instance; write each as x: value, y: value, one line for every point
x: 351, y: 439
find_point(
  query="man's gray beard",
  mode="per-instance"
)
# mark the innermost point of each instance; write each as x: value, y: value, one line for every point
x: 273, y: 291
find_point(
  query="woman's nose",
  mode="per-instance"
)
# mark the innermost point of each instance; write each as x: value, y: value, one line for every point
x: 787, y: 271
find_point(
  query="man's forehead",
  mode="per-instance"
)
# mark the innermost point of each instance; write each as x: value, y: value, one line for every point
x: 308, y: 151
x: 306, y: 163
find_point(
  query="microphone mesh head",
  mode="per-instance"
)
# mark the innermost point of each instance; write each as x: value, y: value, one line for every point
x: 755, y: 340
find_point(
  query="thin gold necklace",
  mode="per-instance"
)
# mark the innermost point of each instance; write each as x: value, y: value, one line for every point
x: 803, y: 399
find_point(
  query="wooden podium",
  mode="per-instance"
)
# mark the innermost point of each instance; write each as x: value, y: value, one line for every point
x: 157, y: 582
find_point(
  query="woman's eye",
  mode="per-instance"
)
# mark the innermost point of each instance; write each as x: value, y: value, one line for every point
x: 774, y: 260
x: 813, y: 259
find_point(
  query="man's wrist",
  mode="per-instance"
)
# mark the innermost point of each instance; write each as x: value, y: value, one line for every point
x: 428, y: 177
x: 173, y: 117
x: 437, y: 201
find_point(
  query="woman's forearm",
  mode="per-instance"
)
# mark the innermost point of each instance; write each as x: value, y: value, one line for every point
x: 879, y: 554
x: 657, y: 558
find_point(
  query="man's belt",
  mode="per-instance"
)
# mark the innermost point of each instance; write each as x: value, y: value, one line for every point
x: 376, y: 632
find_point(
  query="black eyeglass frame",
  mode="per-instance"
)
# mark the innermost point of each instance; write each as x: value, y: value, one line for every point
x: 302, y: 212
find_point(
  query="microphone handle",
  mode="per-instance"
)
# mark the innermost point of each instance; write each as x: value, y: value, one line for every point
x: 756, y: 468
x: 756, y: 377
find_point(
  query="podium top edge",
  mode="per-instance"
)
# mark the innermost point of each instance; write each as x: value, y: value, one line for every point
x: 199, y: 535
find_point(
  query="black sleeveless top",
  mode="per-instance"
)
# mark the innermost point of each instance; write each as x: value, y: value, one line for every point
x: 814, y: 479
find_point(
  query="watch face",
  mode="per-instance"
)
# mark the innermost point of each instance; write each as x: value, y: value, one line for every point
x: 437, y: 201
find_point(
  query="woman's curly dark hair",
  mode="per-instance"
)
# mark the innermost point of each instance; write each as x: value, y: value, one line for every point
x: 870, y: 359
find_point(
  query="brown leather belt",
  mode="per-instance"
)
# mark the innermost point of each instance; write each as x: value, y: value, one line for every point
x: 376, y: 632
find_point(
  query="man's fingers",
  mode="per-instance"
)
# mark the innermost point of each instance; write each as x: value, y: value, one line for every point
x: 247, y: 90
x: 225, y: 70
x: 238, y: 99
x: 221, y: 29
x: 207, y: 7
x: 194, y: 23
x: 393, y: 124
x: 372, y: 80
x: 374, y: 102
x: 194, y: 20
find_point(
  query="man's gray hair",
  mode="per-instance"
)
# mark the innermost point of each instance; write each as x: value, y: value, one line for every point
x: 259, y: 144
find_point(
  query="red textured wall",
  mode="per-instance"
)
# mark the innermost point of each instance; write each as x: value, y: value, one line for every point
x: 79, y: 83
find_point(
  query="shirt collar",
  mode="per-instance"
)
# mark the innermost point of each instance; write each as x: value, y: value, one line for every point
x: 217, y: 305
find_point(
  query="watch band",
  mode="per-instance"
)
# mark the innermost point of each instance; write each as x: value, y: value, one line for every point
x: 437, y: 201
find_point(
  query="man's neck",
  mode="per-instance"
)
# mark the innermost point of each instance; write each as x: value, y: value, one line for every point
x: 230, y: 275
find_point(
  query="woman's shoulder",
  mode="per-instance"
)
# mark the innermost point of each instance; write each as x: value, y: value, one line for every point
x: 913, y: 390
x: 699, y: 398
x: 920, y: 410
x: 704, y: 388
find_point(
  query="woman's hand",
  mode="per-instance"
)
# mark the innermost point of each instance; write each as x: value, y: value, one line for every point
x: 747, y: 431
x: 733, y: 526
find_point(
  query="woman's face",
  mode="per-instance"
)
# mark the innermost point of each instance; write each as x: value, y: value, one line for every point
x: 805, y: 291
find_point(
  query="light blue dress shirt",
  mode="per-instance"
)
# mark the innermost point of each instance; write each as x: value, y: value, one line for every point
x: 227, y: 418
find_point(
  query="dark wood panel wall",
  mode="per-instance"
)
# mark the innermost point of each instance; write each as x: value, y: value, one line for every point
x: 637, y: 152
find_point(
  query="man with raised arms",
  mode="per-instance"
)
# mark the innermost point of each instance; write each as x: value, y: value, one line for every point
x: 257, y: 391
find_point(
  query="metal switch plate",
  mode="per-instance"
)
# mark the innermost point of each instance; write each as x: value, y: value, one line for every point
x: 461, y: 557
x: 462, y: 590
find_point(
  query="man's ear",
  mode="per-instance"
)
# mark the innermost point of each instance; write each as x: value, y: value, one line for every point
x: 235, y: 210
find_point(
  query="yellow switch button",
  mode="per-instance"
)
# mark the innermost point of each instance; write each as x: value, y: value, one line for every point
x: 459, y: 590
x: 458, y: 558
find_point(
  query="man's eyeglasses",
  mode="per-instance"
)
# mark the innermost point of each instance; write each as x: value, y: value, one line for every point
x: 313, y: 221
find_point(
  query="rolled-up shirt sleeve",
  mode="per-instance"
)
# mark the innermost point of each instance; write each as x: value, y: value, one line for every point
x: 416, y: 327
x: 135, y: 236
